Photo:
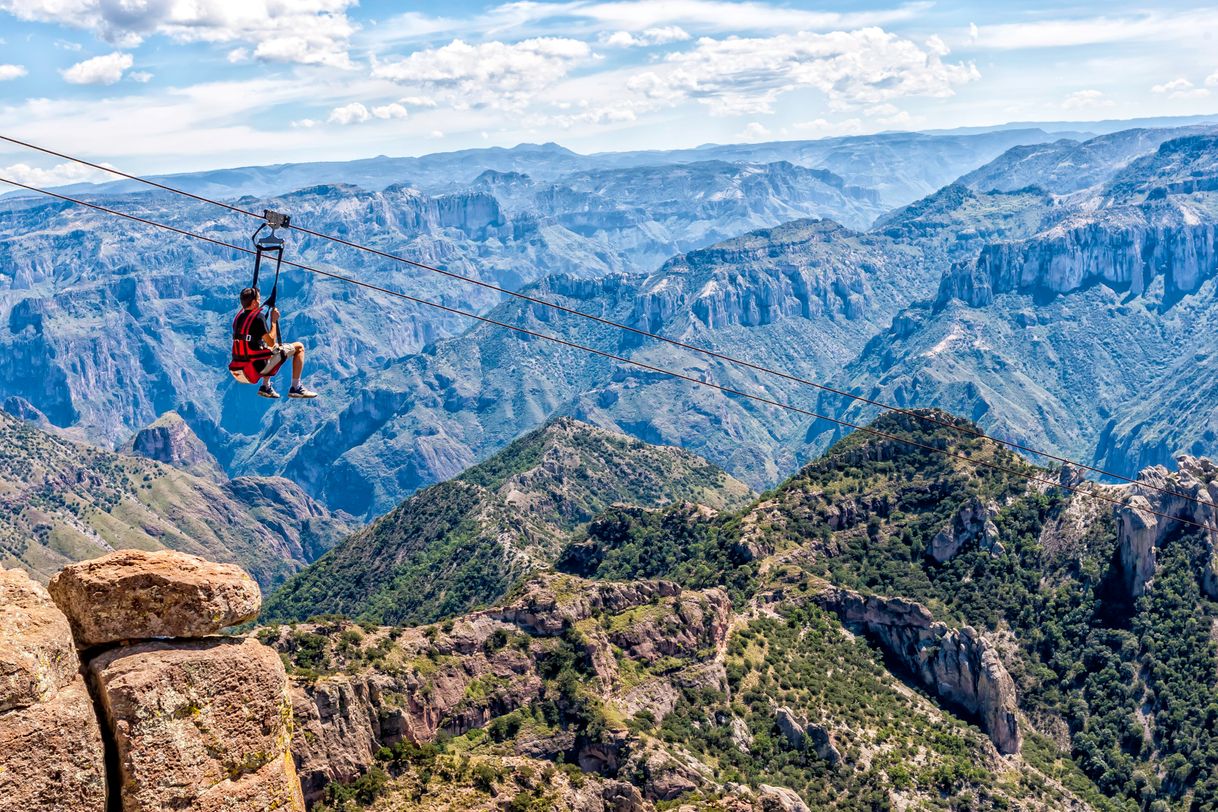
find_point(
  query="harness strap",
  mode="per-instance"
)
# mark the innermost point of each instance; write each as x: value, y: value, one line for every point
x: 242, y: 350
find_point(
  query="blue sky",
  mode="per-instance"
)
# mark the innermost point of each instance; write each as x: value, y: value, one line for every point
x: 174, y: 85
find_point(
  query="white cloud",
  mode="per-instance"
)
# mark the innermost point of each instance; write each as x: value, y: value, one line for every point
x: 746, y: 75
x: 419, y: 101
x: 356, y: 113
x: 8, y: 72
x: 493, y: 73
x: 141, y: 76
x: 1212, y: 79
x: 59, y: 175
x: 1180, y: 89
x: 1087, y: 100
x: 353, y: 113
x: 822, y: 127
x: 599, y: 116
x: 100, y: 70
x: 755, y: 131
x: 1066, y: 33
x: 661, y: 35
x: 304, y: 124
x: 591, y: 20
x: 389, y: 111
x: 305, y: 31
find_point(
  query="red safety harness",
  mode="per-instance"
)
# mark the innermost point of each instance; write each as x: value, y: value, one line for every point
x: 245, y: 366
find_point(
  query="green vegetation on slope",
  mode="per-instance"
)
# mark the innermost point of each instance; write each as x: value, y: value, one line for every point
x: 1129, y: 685
x: 464, y: 543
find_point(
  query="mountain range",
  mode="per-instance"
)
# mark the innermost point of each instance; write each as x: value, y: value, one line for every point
x: 1047, y: 294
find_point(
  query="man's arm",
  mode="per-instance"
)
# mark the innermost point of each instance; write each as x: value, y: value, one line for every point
x: 271, y: 339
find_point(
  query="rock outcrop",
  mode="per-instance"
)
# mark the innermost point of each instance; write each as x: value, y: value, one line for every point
x: 780, y: 799
x: 974, y: 522
x: 197, y: 722
x: 37, y: 656
x: 51, y: 754
x: 201, y: 724
x: 801, y: 734
x: 171, y: 441
x: 1145, y: 521
x: 138, y: 595
x: 463, y: 674
x: 958, y: 665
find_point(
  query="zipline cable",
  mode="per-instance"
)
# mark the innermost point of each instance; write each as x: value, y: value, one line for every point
x: 887, y: 407
x: 629, y: 361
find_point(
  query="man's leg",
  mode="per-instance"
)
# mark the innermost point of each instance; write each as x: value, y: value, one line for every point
x: 298, y: 390
x: 297, y: 363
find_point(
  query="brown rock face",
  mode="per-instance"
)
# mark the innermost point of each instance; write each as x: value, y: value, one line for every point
x: 201, y: 725
x: 51, y: 757
x: 958, y: 665
x: 37, y: 657
x: 137, y: 595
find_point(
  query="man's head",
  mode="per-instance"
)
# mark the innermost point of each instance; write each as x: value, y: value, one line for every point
x: 249, y: 297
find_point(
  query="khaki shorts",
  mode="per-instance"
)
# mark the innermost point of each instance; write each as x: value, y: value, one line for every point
x: 271, y: 365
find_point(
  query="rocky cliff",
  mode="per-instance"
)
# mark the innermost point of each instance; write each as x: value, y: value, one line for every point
x: 359, y: 691
x: 169, y: 439
x: 958, y: 665
x: 189, y: 719
x: 1163, y: 504
x: 1066, y: 332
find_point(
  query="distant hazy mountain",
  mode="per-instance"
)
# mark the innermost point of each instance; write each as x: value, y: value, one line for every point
x: 1046, y: 295
x: 105, y: 324
x: 804, y: 297
x: 899, y: 166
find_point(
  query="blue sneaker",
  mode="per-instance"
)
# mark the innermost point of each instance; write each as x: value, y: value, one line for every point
x: 268, y: 391
x: 301, y: 392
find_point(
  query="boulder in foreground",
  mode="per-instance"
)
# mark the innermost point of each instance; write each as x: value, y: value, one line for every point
x: 200, y: 725
x: 37, y: 657
x: 138, y: 595
x: 51, y: 755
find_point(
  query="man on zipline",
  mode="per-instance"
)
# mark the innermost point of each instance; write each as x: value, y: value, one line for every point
x: 264, y: 347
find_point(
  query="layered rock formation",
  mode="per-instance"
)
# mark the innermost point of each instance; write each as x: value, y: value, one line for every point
x: 51, y: 754
x: 958, y: 665
x: 194, y: 720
